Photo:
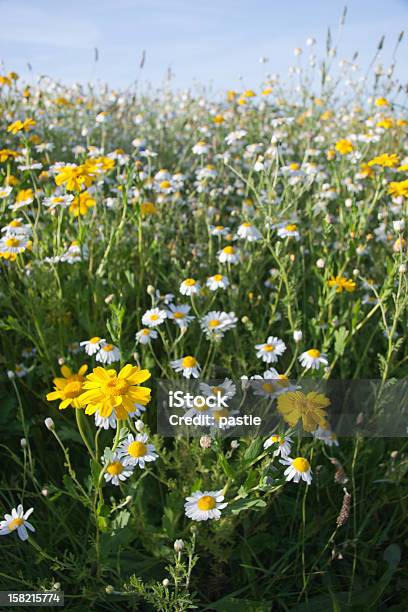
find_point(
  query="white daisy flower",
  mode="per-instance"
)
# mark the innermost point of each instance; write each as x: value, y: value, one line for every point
x: 217, y: 281
x: 313, y: 359
x: 179, y: 314
x: 116, y: 471
x: 16, y: 227
x: 200, y: 148
x: 136, y: 451
x: 108, y: 354
x: 58, y: 201
x: 283, y: 445
x: 13, y: 244
x: 105, y: 422
x: 289, y: 231
x: 92, y: 345
x: 146, y: 335
x: 190, y: 287
x: 271, y: 384
x: 326, y: 435
x: 227, y: 389
x: 216, y: 323
x: 219, y: 230
x: 161, y: 175
x: 154, y: 317
x: 298, y: 468
x: 20, y: 370
x: 188, y: 365
x: 5, y: 191
x: 201, y: 506
x: 229, y: 254
x: 271, y: 350
x: 17, y: 520
x: 249, y: 232
x: 233, y: 137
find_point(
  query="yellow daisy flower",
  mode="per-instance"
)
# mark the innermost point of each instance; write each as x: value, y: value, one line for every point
x: 310, y: 409
x: 105, y: 391
x: 69, y: 387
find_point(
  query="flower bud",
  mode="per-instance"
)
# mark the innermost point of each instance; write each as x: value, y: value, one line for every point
x: 49, y: 423
x: 166, y: 582
x: 297, y: 335
x: 178, y: 545
x: 23, y: 443
x: 320, y: 263
x: 150, y: 290
x: 139, y: 425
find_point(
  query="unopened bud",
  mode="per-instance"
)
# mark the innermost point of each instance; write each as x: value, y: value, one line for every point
x: 109, y: 589
x: 166, y: 582
x: 49, y: 423
x: 297, y: 335
x: 139, y: 425
x: 178, y: 545
x: 320, y: 263
x: 150, y: 290
x: 23, y: 443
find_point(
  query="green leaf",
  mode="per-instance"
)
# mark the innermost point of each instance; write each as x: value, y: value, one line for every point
x: 340, y: 336
x: 96, y: 469
x: 226, y: 467
x: 246, y: 504
x: 253, y: 450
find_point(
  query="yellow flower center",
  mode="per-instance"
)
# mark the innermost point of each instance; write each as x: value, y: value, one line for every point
x: 268, y: 387
x: 214, y: 323
x: 15, y: 223
x: 291, y: 227
x: 17, y: 522
x: 229, y: 250
x: 189, y: 362
x: 165, y: 184
x: 314, y: 353
x: 72, y: 389
x: 154, y: 317
x: 145, y: 332
x: 115, y: 468
x: 247, y: 224
x: 218, y: 414
x: 12, y: 242
x: 269, y: 348
x: 108, y: 348
x: 94, y: 340
x: 206, y: 502
x: 301, y: 464
x: 179, y: 315
x: 116, y: 387
x: 216, y: 390
x: 137, y: 449
x: 219, y: 227
x: 217, y: 278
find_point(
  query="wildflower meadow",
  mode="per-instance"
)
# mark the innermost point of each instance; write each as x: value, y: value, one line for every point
x: 256, y: 239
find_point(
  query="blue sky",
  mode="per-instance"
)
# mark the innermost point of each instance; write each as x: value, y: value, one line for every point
x: 212, y: 41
